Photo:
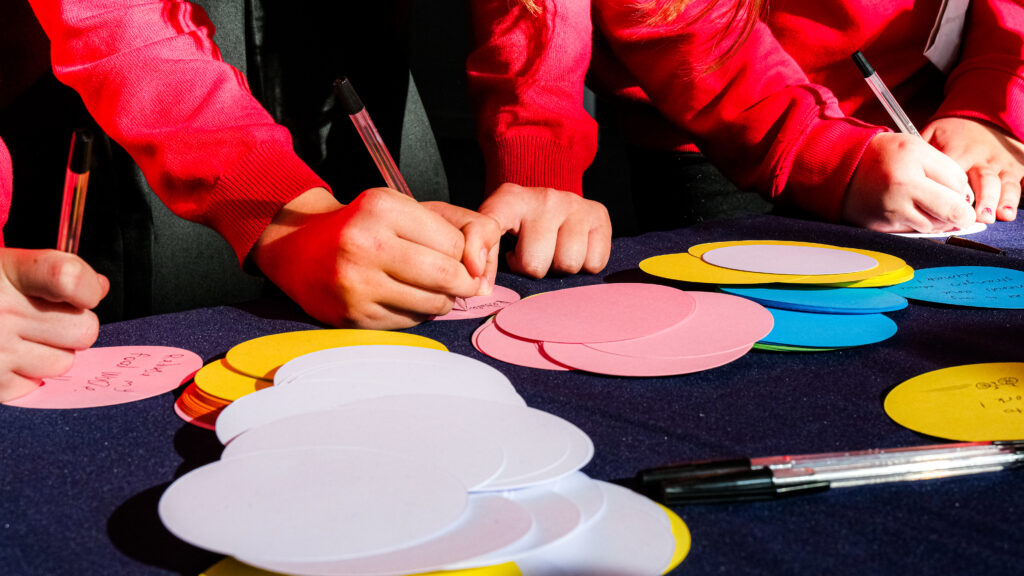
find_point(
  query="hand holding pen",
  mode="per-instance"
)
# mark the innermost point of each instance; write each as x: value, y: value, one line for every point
x: 901, y: 183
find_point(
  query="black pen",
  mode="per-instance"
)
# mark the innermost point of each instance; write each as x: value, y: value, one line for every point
x: 76, y: 183
x: 750, y: 479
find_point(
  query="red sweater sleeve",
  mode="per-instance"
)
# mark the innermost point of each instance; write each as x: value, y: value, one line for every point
x: 988, y: 82
x: 526, y: 81
x: 6, y: 186
x: 757, y: 116
x: 153, y: 79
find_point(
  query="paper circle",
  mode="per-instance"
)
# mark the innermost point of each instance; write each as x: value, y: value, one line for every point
x: 973, y: 286
x: 886, y: 262
x: 686, y: 267
x: 114, y: 375
x: 828, y: 330
x: 633, y: 536
x: 972, y: 229
x: 539, y: 446
x: 261, y: 357
x: 471, y: 457
x: 383, y: 364
x: 490, y: 340
x: 682, y: 535
x: 720, y: 323
x: 583, y: 357
x: 786, y: 259
x: 892, y: 278
x: 316, y: 504
x: 218, y: 379
x: 491, y: 523
x: 280, y: 402
x: 482, y: 306
x: 596, y: 313
x: 971, y: 403
x: 198, y: 408
x: 822, y: 299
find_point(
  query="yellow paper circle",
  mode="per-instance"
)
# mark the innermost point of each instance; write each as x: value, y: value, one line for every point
x: 886, y: 262
x: 688, y: 268
x: 261, y: 357
x: 971, y: 403
x: 218, y: 379
x: 682, y: 535
x: 893, y: 278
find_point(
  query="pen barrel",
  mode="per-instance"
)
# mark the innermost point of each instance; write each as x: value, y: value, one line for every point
x: 692, y: 470
x: 76, y: 182
x: 891, y: 105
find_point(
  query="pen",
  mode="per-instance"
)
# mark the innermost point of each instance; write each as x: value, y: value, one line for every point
x: 353, y: 106
x: 884, y: 96
x: 750, y: 479
x: 972, y: 244
x: 76, y: 182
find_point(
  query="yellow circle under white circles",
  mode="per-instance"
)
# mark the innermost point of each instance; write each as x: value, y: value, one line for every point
x: 261, y: 357
x: 218, y: 379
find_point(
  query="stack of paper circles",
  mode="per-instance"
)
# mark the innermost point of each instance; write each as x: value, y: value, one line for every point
x: 972, y: 286
x: 625, y: 329
x: 822, y: 297
x: 400, y: 460
x: 251, y: 365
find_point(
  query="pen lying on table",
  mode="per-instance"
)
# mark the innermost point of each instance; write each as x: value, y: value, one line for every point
x: 751, y: 479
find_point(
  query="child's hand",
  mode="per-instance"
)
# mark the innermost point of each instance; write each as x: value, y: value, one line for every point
x: 902, y: 184
x: 384, y: 261
x: 557, y: 230
x: 45, y: 302
x: 993, y: 159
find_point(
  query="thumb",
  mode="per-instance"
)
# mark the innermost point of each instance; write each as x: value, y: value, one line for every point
x: 54, y: 276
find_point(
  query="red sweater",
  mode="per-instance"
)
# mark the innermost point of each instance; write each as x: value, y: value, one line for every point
x: 153, y: 79
x: 6, y: 185
x: 765, y: 117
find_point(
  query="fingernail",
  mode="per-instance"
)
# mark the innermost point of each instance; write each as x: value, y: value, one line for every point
x: 987, y: 211
x: 1010, y: 208
x: 485, y: 287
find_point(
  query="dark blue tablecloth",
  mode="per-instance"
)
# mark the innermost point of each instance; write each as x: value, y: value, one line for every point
x: 78, y: 488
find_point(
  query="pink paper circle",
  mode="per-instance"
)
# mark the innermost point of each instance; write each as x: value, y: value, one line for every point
x: 597, y: 313
x: 490, y: 340
x: 720, y: 323
x: 787, y: 259
x: 115, y: 375
x: 583, y: 357
x: 481, y: 306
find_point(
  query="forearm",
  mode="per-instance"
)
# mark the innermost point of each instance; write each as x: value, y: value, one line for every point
x: 152, y: 77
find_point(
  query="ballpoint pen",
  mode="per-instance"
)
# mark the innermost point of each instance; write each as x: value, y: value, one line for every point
x: 353, y: 106
x: 76, y: 183
x: 748, y: 479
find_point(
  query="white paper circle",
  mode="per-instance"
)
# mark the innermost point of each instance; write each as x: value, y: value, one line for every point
x: 269, y: 404
x: 788, y: 259
x: 472, y: 458
x: 352, y: 364
x: 972, y: 229
x: 315, y: 504
x: 631, y: 537
x: 555, y: 517
x: 539, y: 447
x: 490, y: 523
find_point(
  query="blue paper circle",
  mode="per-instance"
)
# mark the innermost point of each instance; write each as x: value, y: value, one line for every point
x: 974, y: 286
x: 828, y: 330
x: 821, y: 298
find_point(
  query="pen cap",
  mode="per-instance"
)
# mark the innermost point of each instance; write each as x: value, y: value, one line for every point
x: 862, y: 63
x: 81, y: 152
x: 346, y: 97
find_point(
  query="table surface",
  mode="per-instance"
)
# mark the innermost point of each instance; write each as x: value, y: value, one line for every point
x: 79, y: 488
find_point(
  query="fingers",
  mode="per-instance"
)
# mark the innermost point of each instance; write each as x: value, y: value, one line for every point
x: 24, y: 364
x: 55, y: 276
x: 482, y: 233
x: 943, y: 209
x: 15, y: 386
x: 987, y: 188
x: 535, y: 248
x: 60, y: 326
x: 1009, y: 199
x: 411, y: 221
x: 429, y: 270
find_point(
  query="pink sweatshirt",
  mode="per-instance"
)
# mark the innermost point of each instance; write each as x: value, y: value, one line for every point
x: 6, y: 186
